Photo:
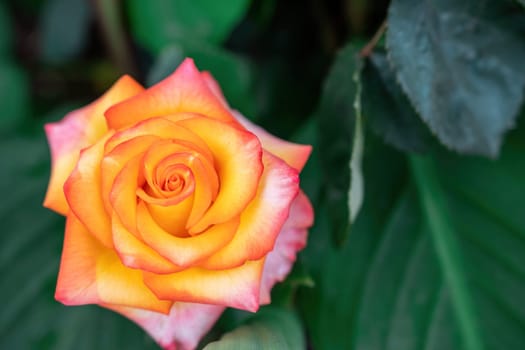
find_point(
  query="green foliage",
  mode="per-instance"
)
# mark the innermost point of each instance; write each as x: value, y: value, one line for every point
x: 14, y: 94
x: 159, y: 23
x: 337, y: 121
x: 434, y: 258
x: 268, y: 329
x: 433, y: 271
x: 14, y: 86
x: 64, y: 28
x: 387, y: 109
x: 5, y: 30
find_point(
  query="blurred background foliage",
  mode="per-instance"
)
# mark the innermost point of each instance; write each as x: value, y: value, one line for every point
x: 417, y: 182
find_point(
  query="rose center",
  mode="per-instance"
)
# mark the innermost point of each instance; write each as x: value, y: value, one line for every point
x: 175, y: 179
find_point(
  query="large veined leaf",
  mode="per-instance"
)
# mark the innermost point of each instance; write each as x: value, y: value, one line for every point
x: 387, y: 109
x: 30, y: 247
x: 461, y: 65
x: 435, y: 260
x: 269, y: 329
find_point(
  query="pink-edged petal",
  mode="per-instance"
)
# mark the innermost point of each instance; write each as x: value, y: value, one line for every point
x: 290, y: 241
x: 214, y: 87
x: 263, y: 218
x: 280, y: 260
x: 293, y: 154
x: 238, y: 287
x: 183, y: 91
x: 301, y: 212
x: 79, y: 129
x: 182, y: 329
x: 92, y: 274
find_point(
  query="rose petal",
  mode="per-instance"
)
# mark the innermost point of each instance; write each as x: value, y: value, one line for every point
x: 114, y: 161
x: 183, y: 251
x: 135, y: 254
x: 301, y: 212
x: 182, y: 329
x: 183, y: 91
x: 214, y: 87
x: 123, y: 195
x: 291, y: 240
x: 92, y: 274
x: 172, y: 218
x: 206, y: 182
x: 87, y: 205
x: 264, y: 217
x: 294, y: 154
x: 237, y: 287
x: 79, y: 129
x: 164, y: 128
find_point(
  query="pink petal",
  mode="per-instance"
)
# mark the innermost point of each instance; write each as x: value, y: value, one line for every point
x: 291, y: 240
x: 182, y: 329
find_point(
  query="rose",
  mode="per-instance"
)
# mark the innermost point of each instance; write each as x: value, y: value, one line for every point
x: 176, y: 205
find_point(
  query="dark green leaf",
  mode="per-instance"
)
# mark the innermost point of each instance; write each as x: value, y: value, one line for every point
x: 387, y: 109
x: 330, y: 307
x: 64, y: 29
x: 461, y: 67
x: 270, y: 328
x: 395, y: 285
x: 158, y: 23
x: 14, y: 95
x: 337, y: 120
x: 233, y: 73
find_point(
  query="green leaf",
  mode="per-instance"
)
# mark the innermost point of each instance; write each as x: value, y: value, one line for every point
x: 14, y: 95
x: 64, y: 29
x: 30, y: 248
x: 233, y: 73
x: 462, y: 67
x: 270, y: 328
x: 338, y: 115
x: 388, y: 110
x: 158, y: 23
x: 444, y: 269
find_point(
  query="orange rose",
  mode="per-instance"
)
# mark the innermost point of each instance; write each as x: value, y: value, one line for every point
x: 176, y: 206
